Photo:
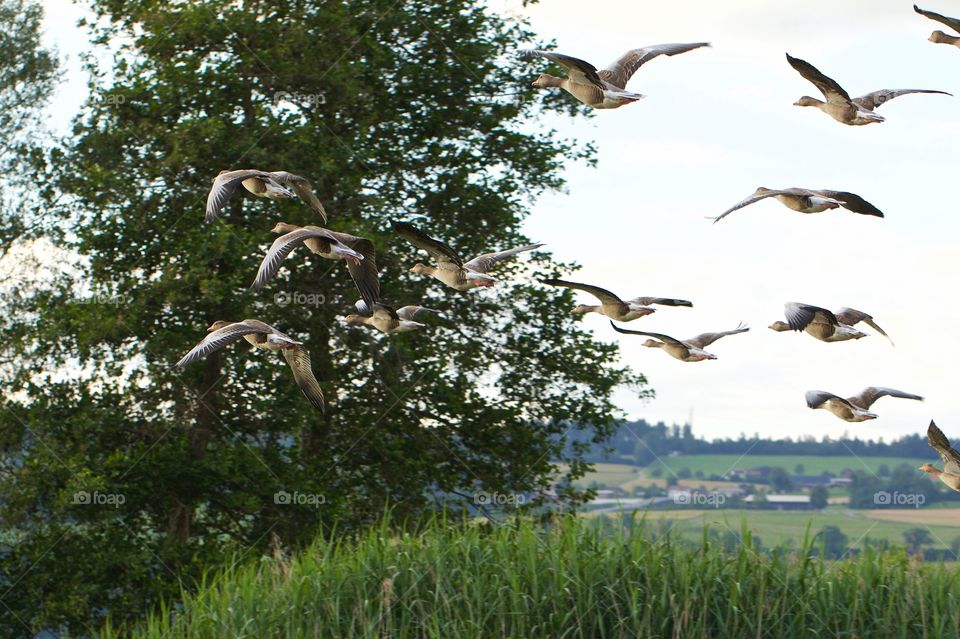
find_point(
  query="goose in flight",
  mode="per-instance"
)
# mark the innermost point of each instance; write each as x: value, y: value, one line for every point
x: 807, y: 201
x: 856, y: 408
x: 357, y: 252
x: 824, y: 325
x: 451, y: 269
x: 839, y: 105
x: 270, y: 184
x: 385, y: 318
x: 263, y: 337
x: 689, y: 350
x: 612, y: 306
x: 950, y: 475
x: 939, y: 36
x: 606, y: 88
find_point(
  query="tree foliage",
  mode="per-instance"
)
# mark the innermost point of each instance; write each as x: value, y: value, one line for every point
x: 415, y: 111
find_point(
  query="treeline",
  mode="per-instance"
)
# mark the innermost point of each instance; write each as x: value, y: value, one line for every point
x: 639, y: 442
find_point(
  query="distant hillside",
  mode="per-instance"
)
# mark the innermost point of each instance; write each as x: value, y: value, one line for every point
x: 641, y: 443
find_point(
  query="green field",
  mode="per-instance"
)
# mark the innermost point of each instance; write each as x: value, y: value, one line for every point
x: 812, y: 464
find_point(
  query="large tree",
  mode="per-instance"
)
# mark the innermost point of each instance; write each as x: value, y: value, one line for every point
x: 124, y: 476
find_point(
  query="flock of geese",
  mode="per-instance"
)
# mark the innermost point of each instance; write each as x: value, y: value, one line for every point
x: 600, y: 89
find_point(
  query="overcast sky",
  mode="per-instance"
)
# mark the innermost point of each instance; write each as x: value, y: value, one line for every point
x: 716, y: 124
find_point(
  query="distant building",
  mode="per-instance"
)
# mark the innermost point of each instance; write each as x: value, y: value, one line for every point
x: 780, y: 502
x: 809, y: 481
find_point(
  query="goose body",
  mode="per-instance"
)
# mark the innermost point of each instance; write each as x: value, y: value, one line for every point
x: 359, y: 254
x: 269, y: 184
x: 689, y: 350
x: 612, y: 306
x: 825, y: 325
x: 839, y: 105
x: 938, y: 36
x: 856, y: 408
x: 605, y: 88
x: 950, y: 475
x: 262, y: 337
x: 451, y: 270
x: 807, y: 201
x: 386, y: 319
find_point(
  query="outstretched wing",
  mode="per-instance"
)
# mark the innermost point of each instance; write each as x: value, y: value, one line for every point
x: 705, y: 339
x: 756, y: 197
x: 299, y: 360
x: 304, y: 190
x: 799, y: 316
x: 659, y: 336
x: 817, y: 399
x: 483, y: 263
x: 852, y: 317
x: 939, y: 442
x: 832, y: 91
x: 620, y: 72
x: 410, y: 312
x: 224, y: 186
x: 662, y: 301
x: 877, y: 99
x: 953, y: 23
x: 601, y: 294
x: 869, y: 395
x: 577, y: 70
x: 366, y: 274
x: 439, y: 250
x: 282, y: 247
x: 220, y: 338
x: 853, y: 202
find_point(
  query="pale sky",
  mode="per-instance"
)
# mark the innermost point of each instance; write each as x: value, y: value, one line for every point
x: 716, y: 124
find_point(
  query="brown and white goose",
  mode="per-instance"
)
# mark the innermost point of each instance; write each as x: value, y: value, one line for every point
x: 357, y: 252
x: 266, y: 338
x: 451, y: 269
x: 939, y: 36
x: 606, y: 88
x: 950, y: 475
x: 807, y: 201
x: 269, y: 184
x: 839, y: 105
x: 825, y: 325
x: 612, y: 306
x: 688, y: 350
x: 856, y: 408
x: 385, y: 318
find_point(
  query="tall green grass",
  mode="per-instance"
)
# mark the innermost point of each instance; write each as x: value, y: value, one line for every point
x: 573, y: 579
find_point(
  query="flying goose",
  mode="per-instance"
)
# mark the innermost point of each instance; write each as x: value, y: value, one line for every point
x: 269, y: 184
x: 839, y: 105
x: 939, y: 36
x: 385, y: 318
x: 807, y: 201
x: 950, y: 475
x: 612, y: 306
x: 689, y: 350
x: 604, y: 89
x: 854, y: 409
x: 451, y: 269
x: 357, y: 252
x: 263, y: 337
x: 823, y: 324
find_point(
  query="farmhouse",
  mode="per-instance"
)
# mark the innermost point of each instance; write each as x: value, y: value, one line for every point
x: 780, y: 502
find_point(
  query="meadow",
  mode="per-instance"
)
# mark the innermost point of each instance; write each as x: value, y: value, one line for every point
x: 573, y: 579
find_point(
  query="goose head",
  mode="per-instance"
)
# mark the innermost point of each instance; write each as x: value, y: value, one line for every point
x: 652, y: 343
x: 421, y: 269
x: 939, y: 37
x: 352, y: 319
x: 545, y: 80
x: 929, y: 468
x: 581, y: 308
x: 283, y: 227
x: 779, y: 326
x: 807, y: 101
x: 217, y: 326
